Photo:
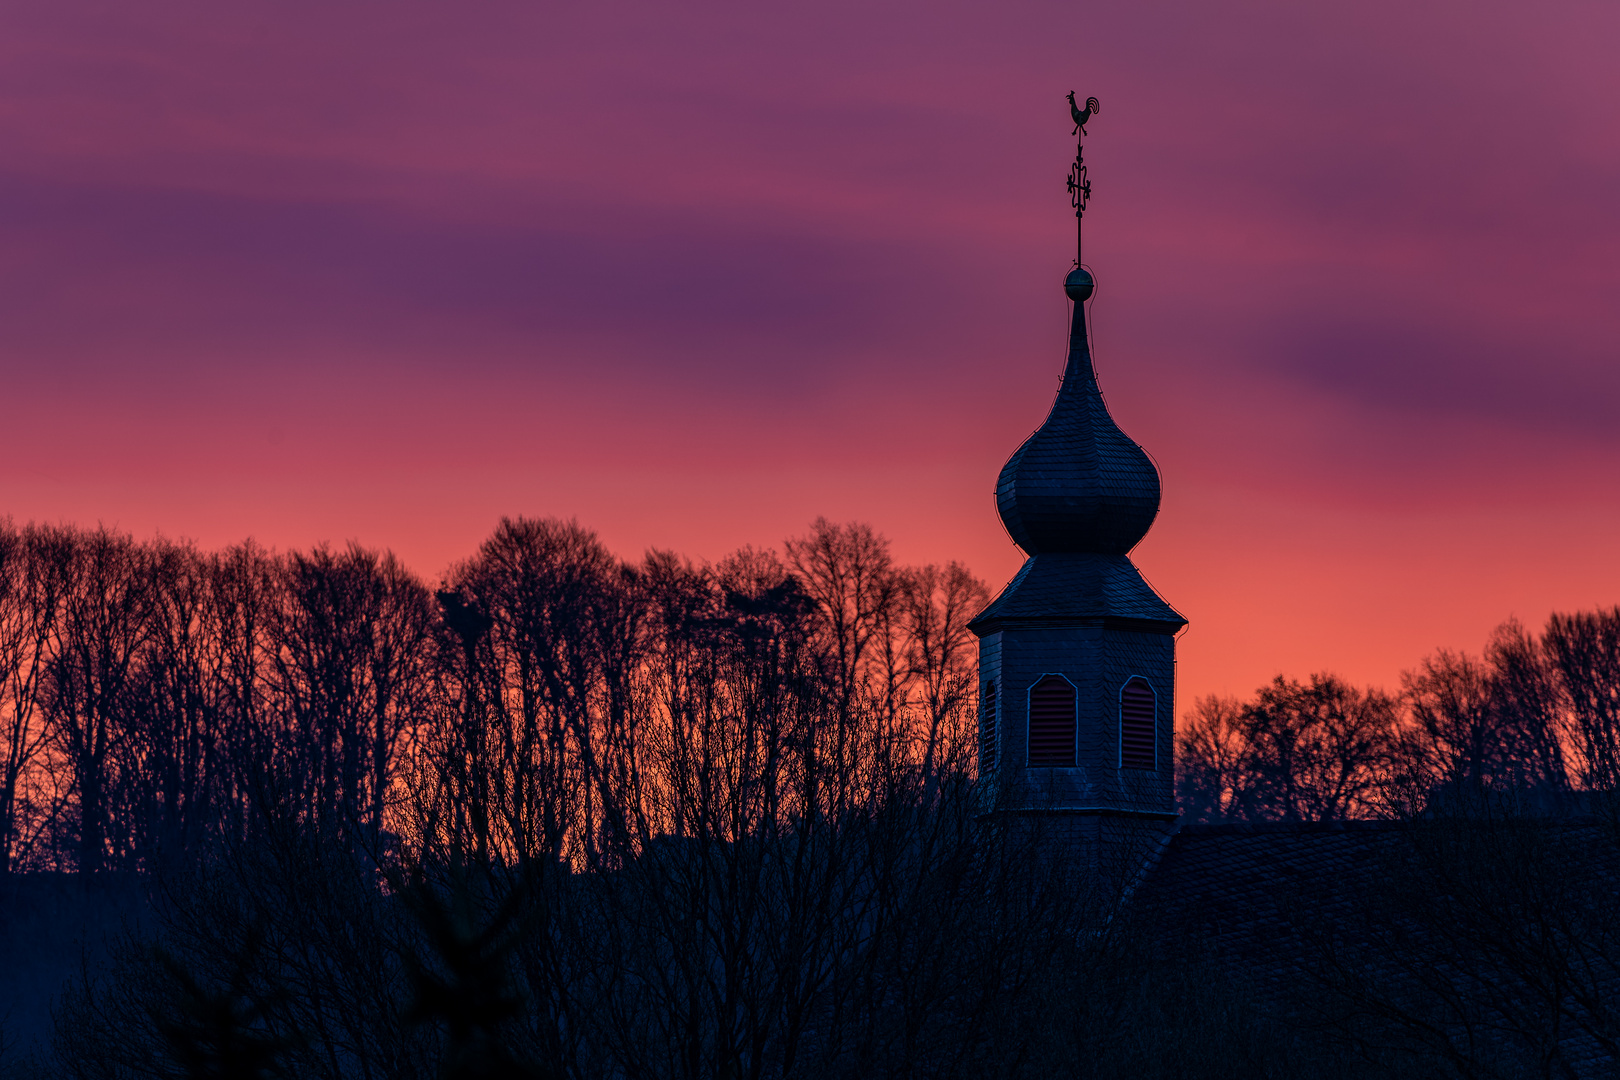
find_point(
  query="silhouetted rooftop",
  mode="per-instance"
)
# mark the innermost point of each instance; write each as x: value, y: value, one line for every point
x: 1323, y: 919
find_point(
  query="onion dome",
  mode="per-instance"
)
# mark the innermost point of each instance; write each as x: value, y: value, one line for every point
x: 1078, y: 484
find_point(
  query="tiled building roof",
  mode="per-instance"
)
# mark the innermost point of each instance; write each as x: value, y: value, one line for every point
x: 1068, y: 586
x: 1490, y: 946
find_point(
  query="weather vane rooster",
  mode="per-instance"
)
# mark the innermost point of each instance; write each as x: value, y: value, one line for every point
x: 1081, y: 115
x: 1079, y: 184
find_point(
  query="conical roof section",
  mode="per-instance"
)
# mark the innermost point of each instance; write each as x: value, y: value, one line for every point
x: 1078, y: 484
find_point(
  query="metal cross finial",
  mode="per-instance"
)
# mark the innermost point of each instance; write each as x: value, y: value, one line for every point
x: 1079, y: 184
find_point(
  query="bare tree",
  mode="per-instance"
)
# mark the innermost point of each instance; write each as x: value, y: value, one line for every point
x: 936, y: 604
x: 106, y: 623
x: 848, y: 571
x: 33, y: 580
x: 170, y: 751
x: 241, y: 603
x: 1212, y: 760
x: 349, y: 670
x: 1299, y: 752
x: 549, y: 681
x: 1584, y: 651
x: 1455, y: 737
x: 1526, y: 700
x: 1485, y: 724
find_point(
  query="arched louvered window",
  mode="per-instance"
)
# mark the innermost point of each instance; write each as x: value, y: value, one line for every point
x: 1051, y: 722
x: 1138, y: 736
x: 987, y: 729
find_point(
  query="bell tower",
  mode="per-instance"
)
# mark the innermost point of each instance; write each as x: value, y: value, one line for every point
x: 1077, y: 653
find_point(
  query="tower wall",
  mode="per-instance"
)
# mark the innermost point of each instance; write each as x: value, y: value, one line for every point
x: 1098, y: 660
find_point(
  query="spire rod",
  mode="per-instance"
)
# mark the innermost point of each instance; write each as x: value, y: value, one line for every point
x: 1079, y: 185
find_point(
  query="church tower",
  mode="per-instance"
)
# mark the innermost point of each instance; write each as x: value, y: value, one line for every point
x: 1077, y: 653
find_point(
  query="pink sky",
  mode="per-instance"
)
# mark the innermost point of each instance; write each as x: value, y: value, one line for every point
x: 696, y: 274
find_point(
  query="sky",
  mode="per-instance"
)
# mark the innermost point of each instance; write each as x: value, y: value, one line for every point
x: 697, y: 274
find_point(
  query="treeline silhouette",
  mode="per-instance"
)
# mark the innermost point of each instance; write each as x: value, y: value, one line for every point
x: 1536, y: 715
x: 565, y: 815
x: 161, y: 704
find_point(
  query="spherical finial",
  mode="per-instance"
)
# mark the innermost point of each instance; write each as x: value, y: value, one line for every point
x: 1079, y: 284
